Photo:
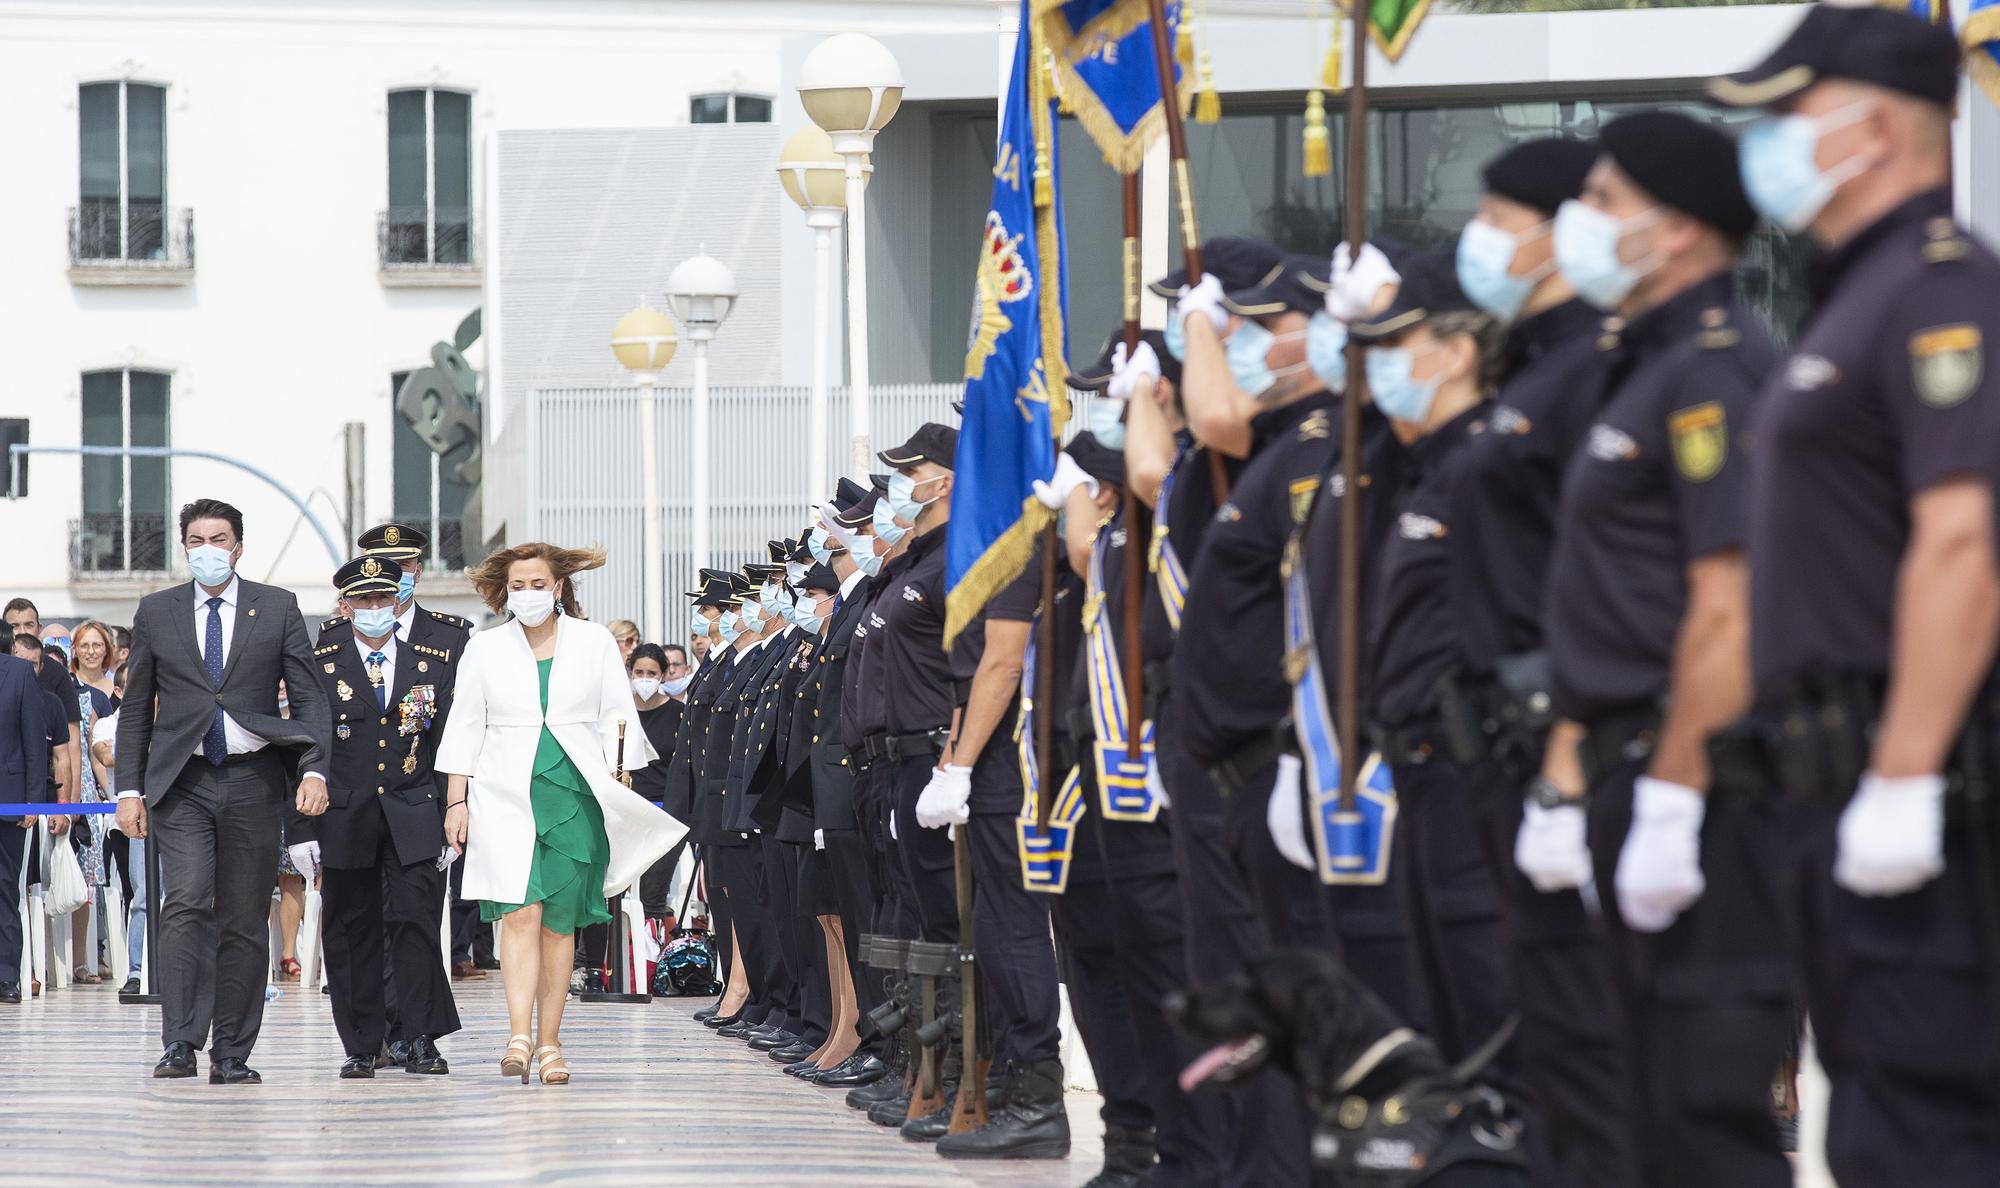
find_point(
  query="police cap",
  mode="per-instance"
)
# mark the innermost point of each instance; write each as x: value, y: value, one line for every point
x: 367, y: 574
x: 932, y: 442
x: 1097, y: 460
x: 847, y: 493
x: 1429, y: 288
x: 1542, y: 174
x: 778, y: 551
x: 1235, y: 260
x: 1283, y: 287
x: 1883, y: 47
x: 880, y: 483
x: 857, y: 516
x: 1096, y: 377
x: 399, y: 541
x: 819, y: 577
x: 1684, y: 163
x: 757, y: 573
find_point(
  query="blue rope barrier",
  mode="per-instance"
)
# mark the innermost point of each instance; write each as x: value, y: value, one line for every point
x: 51, y: 809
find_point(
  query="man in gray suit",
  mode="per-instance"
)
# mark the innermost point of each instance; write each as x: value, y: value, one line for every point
x: 204, y: 769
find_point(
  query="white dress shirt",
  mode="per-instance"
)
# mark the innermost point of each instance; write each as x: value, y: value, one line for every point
x: 388, y: 650
x: 241, y: 741
x: 403, y: 620
x: 847, y: 587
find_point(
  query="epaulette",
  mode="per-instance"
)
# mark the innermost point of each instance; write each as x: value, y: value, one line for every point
x: 1716, y: 333
x: 425, y: 649
x: 1944, y: 243
x: 335, y: 621
x: 462, y: 624
x: 1316, y: 427
x: 328, y: 650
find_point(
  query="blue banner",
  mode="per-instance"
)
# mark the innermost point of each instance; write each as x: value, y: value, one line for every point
x: 1979, y: 33
x: 1106, y: 70
x: 1014, y: 401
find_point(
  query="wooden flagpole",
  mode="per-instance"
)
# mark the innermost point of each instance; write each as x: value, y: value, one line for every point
x: 1136, y: 533
x: 1349, y: 679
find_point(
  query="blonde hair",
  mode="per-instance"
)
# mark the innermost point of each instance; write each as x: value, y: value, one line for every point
x: 489, y: 577
x: 110, y: 646
x: 623, y: 629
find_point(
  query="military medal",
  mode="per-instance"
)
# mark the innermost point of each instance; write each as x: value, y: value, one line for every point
x: 423, y: 666
x: 329, y: 668
x: 343, y: 732
x: 345, y: 690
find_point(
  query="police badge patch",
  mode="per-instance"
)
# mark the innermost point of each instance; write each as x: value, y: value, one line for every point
x: 1701, y: 440
x: 1301, y: 492
x: 1946, y: 364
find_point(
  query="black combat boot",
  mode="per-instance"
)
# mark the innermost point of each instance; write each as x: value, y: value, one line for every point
x: 1128, y: 1159
x: 1031, y: 1125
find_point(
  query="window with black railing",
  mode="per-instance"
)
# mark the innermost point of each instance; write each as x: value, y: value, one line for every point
x: 121, y: 215
x: 125, y: 527
x: 428, y: 222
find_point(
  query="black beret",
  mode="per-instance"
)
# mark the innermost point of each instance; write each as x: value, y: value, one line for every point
x: 931, y: 442
x: 1429, y: 288
x: 1686, y: 164
x: 819, y: 577
x: 1542, y: 173
x: 1238, y: 262
x: 1097, y: 375
x: 1884, y: 47
x: 400, y: 541
x: 367, y: 574
x: 1282, y: 288
x: 1099, y: 461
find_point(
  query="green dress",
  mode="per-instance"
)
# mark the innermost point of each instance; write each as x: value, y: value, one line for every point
x: 566, y: 873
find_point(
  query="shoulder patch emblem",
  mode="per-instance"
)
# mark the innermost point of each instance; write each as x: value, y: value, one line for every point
x: 1302, y: 491
x: 1806, y: 373
x: 1419, y: 527
x: 1510, y: 420
x: 1607, y: 444
x: 1316, y: 427
x: 1701, y: 440
x: 1946, y: 364
x: 1228, y: 513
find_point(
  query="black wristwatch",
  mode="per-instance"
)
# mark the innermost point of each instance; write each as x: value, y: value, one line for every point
x: 1542, y: 793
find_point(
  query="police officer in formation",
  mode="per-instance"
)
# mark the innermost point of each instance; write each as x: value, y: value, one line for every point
x: 1676, y: 656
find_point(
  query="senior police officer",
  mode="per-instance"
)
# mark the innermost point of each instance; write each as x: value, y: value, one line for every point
x: 382, y: 837
x: 687, y: 782
x: 1647, y: 628
x: 1874, y: 598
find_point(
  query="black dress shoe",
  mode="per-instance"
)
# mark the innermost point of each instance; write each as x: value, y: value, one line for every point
x: 890, y: 1111
x: 865, y: 1097
x: 425, y: 1058
x: 718, y: 1022
x: 486, y: 962
x: 799, y: 1068
x: 794, y: 1051
x: 859, y: 1069
x: 131, y: 986
x: 230, y: 1070
x: 358, y: 1068
x: 399, y: 1053
x: 769, y: 1039
x: 10, y: 991
x: 178, y: 1062
x: 931, y: 1127
x: 708, y: 1012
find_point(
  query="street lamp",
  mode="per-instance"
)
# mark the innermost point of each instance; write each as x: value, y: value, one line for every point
x: 644, y: 342
x: 702, y: 292
x: 851, y: 87
x: 815, y: 177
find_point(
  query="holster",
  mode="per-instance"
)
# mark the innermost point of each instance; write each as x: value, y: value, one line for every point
x: 1504, y: 719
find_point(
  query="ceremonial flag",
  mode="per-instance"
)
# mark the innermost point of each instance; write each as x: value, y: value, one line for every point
x: 1391, y: 22
x: 1015, y: 401
x: 1103, y: 53
x: 1979, y: 33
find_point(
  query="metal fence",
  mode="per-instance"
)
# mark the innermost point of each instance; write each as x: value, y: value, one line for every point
x: 580, y: 469
x: 131, y: 235
x: 415, y: 238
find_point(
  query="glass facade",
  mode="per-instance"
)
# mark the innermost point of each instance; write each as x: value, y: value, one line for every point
x: 729, y: 109
x: 1424, y: 183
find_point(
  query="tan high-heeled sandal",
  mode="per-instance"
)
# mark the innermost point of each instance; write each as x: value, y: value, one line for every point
x: 550, y: 1065
x: 514, y: 1061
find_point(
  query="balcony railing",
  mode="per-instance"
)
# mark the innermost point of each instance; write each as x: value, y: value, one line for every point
x: 418, y: 240
x: 133, y: 237
x: 115, y: 545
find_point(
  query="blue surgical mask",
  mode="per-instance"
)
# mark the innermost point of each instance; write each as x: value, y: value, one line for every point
x: 769, y: 598
x: 1176, y: 334
x: 795, y: 571
x: 676, y: 686
x: 1248, y: 345
x: 1395, y: 389
x: 698, y: 623
x: 1587, y: 242
x: 886, y: 526
x: 868, y: 563
x: 1326, y: 350
x: 1780, y: 171
x: 816, y: 544
x: 1107, y: 422
x: 751, y: 616
x: 374, y: 621
x: 406, y: 586
x: 210, y: 564
x: 728, y: 625
x: 903, y: 495
x: 1485, y: 253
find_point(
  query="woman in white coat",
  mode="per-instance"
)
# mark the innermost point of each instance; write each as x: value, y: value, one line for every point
x: 549, y: 832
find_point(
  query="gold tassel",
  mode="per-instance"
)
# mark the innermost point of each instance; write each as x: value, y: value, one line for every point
x: 1318, y: 151
x: 1330, y: 73
x: 1045, y: 179
x: 1055, y: 85
x: 1207, y: 104
x: 1184, y: 42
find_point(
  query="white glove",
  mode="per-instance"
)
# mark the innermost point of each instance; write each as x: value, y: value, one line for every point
x: 305, y: 858
x: 819, y: 839
x: 1156, y: 785
x: 945, y: 798
x: 1357, y: 287
x: 1659, y: 867
x: 1285, y: 817
x: 1126, y: 373
x: 1054, y: 493
x: 1204, y: 298
x: 1891, y: 836
x: 1550, y: 847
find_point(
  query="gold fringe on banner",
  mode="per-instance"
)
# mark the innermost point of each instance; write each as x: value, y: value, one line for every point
x: 1125, y: 152
x: 1184, y: 43
x: 1002, y: 562
x: 1318, y: 149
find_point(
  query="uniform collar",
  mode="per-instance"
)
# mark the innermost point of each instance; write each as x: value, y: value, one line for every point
x: 1539, y: 333
x: 1433, y: 447
x: 852, y: 580
x: 1267, y: 425
x: 925, y: 544
x: 404, y: 620
x: 230, y: 593
x: 1825, y: 273
x: 1679, y: 315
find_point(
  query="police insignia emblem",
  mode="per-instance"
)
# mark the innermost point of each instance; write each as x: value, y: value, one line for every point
x: 1003, y: 279
x: 329, y: 668
x: 392, y: 535
x: 343, y: 732
x: 1302, y: 498
x: 1946, y: 364
x: 345, y: 690
x: 1701, y: 440
x: 371, y: 568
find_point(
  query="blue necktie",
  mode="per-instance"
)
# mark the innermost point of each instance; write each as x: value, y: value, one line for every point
x: 214, y: 744
x: 375, y: 662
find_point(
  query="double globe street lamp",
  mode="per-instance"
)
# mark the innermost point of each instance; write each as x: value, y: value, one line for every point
x: 644, y: 341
